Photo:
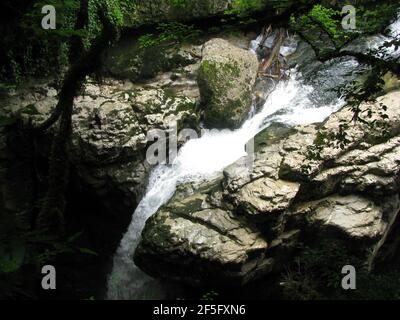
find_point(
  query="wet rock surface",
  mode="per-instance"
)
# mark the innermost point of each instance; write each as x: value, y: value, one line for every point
x: 310, y: 184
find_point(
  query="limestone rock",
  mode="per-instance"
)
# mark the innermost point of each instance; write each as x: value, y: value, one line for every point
x: 266, y: 195
x: 226, y: 78
x: 355, y: 216
x: 215, y: 245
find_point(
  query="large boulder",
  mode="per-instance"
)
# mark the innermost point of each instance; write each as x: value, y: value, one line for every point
x: 226, y: 78
x: 214, y: 244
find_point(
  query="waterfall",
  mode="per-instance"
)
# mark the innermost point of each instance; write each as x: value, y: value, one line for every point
x: 202, y: 159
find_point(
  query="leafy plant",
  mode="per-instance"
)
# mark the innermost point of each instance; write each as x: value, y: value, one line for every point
x: 316, y: 275
x: 170, y: 33
x: 244, y: 7
x: 209, y: 296
x: 178, y: 3
x: 326, y: 18
x: 12, y: 256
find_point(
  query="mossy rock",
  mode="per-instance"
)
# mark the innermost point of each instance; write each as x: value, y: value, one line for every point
x: 273, y: 134
x: 226, y: 78
x: 392, y: 82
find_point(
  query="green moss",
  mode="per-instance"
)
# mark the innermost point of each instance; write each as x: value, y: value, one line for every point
x: 273, y: 134
x: 392, y: 82
x: 156, y: 231
x: 215, y: 81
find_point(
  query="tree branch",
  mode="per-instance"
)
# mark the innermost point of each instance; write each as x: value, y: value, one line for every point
x: 50, y: 218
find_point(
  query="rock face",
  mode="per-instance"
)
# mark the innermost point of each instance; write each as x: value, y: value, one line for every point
x: 110, y: 139
x: 226, y: 77
x: 355, y: 216
x: 305, y: 186
x: 130, y: 61
x: 110, y: 126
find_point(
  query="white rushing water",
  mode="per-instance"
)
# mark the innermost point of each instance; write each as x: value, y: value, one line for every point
x: 202, y: 159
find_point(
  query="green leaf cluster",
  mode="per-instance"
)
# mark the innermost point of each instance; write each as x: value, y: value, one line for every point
x: 244, y: 7
x: 170, y: 33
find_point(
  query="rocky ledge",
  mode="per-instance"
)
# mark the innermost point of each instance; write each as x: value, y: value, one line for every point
x: 306, y: 185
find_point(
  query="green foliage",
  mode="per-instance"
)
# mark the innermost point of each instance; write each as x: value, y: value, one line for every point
x: 170, y: 33
x: 178, y: 3
x: 209, y: 296
x: 22, y: 250
x: 30, y: 51
x: 316, y: 274
x: 326, y: 18
x: 26, y: 49
x: 114, y: 11
x: 321, y: 26
x: 296, y: 285
x: 243, y: 7
x: 11, y: 256
x: 374, y: 18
